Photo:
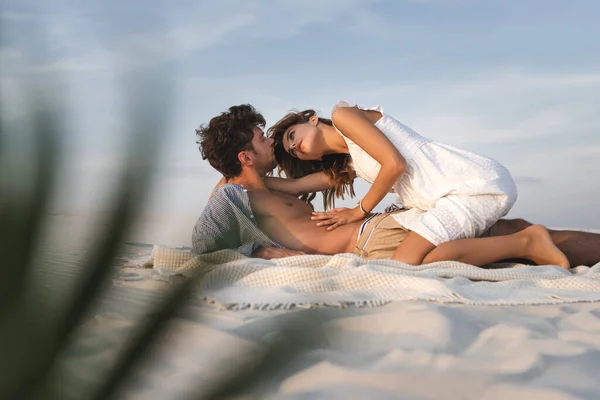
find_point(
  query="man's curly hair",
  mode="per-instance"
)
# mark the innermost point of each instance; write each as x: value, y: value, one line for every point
x: 226, y: 135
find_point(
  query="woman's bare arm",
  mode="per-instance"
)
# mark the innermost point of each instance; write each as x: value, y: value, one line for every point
x: 355, y: 125
x: 220, y: 183
x: 307, y: 184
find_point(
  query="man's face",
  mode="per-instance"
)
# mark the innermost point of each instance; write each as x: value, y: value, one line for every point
x: 264, y: 157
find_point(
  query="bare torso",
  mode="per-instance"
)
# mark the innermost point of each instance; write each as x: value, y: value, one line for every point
x: 286, y: 220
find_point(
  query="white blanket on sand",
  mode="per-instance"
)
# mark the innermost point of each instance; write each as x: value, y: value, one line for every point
x: 233, y: 281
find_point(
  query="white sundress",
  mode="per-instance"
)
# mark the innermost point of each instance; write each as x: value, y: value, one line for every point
x: 449, y: 193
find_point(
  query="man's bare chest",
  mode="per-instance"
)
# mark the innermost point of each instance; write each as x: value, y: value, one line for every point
x: 280, y: 205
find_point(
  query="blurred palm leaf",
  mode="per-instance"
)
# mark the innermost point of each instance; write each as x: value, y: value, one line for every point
x: 31, y: 341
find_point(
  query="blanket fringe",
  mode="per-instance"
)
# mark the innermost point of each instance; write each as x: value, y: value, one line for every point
x: 367, y: 303
x: 291, y: 306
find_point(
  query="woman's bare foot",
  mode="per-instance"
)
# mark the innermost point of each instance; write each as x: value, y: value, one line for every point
x: 541, y: 249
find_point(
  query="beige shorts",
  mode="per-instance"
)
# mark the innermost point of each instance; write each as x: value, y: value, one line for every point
x: 380, y: 238
x: 383, y: 234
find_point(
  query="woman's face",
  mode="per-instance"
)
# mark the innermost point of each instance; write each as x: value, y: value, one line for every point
x: 302, y: 140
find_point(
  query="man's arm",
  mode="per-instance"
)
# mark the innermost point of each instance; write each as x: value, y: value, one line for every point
x: 273, y: 252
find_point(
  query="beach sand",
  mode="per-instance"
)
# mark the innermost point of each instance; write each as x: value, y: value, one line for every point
x: 408, y: 350
x: 413, y: 350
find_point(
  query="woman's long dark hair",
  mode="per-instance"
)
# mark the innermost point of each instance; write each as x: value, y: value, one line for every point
x: 336, y: 166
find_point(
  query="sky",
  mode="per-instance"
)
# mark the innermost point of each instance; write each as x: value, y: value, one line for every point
x: 518, y: 81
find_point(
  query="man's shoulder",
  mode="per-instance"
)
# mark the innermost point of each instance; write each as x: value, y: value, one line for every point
x: 227, y: 197
x: 228, y: 190
x: 222, y: 206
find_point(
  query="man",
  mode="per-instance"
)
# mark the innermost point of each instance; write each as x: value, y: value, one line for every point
x: 244, y: 214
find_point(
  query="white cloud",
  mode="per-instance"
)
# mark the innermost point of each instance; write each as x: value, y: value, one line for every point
x: 182, y: 31
x: 488, y: 127
x: 498, y: 107
x: 518, y: 116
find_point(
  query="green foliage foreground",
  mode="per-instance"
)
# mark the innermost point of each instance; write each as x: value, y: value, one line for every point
x: 32, y: 337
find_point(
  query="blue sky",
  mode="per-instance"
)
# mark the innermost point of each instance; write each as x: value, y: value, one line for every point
x: 518, y: 81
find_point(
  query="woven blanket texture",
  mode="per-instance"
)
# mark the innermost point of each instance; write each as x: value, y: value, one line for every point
x: 233, y: 281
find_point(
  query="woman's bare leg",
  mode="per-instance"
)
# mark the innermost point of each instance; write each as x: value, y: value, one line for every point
x: 581, y: 248
x: 413, y: 249
x: 533, y: 243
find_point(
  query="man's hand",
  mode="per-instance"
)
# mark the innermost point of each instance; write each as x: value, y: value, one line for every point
x: 274, y: 252
x: 337, y: 217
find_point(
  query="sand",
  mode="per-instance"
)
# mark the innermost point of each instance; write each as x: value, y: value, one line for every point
x: 411, y: 350
x: 407, y: 350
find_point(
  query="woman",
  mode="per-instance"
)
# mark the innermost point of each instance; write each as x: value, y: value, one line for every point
x: 449, y: 193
